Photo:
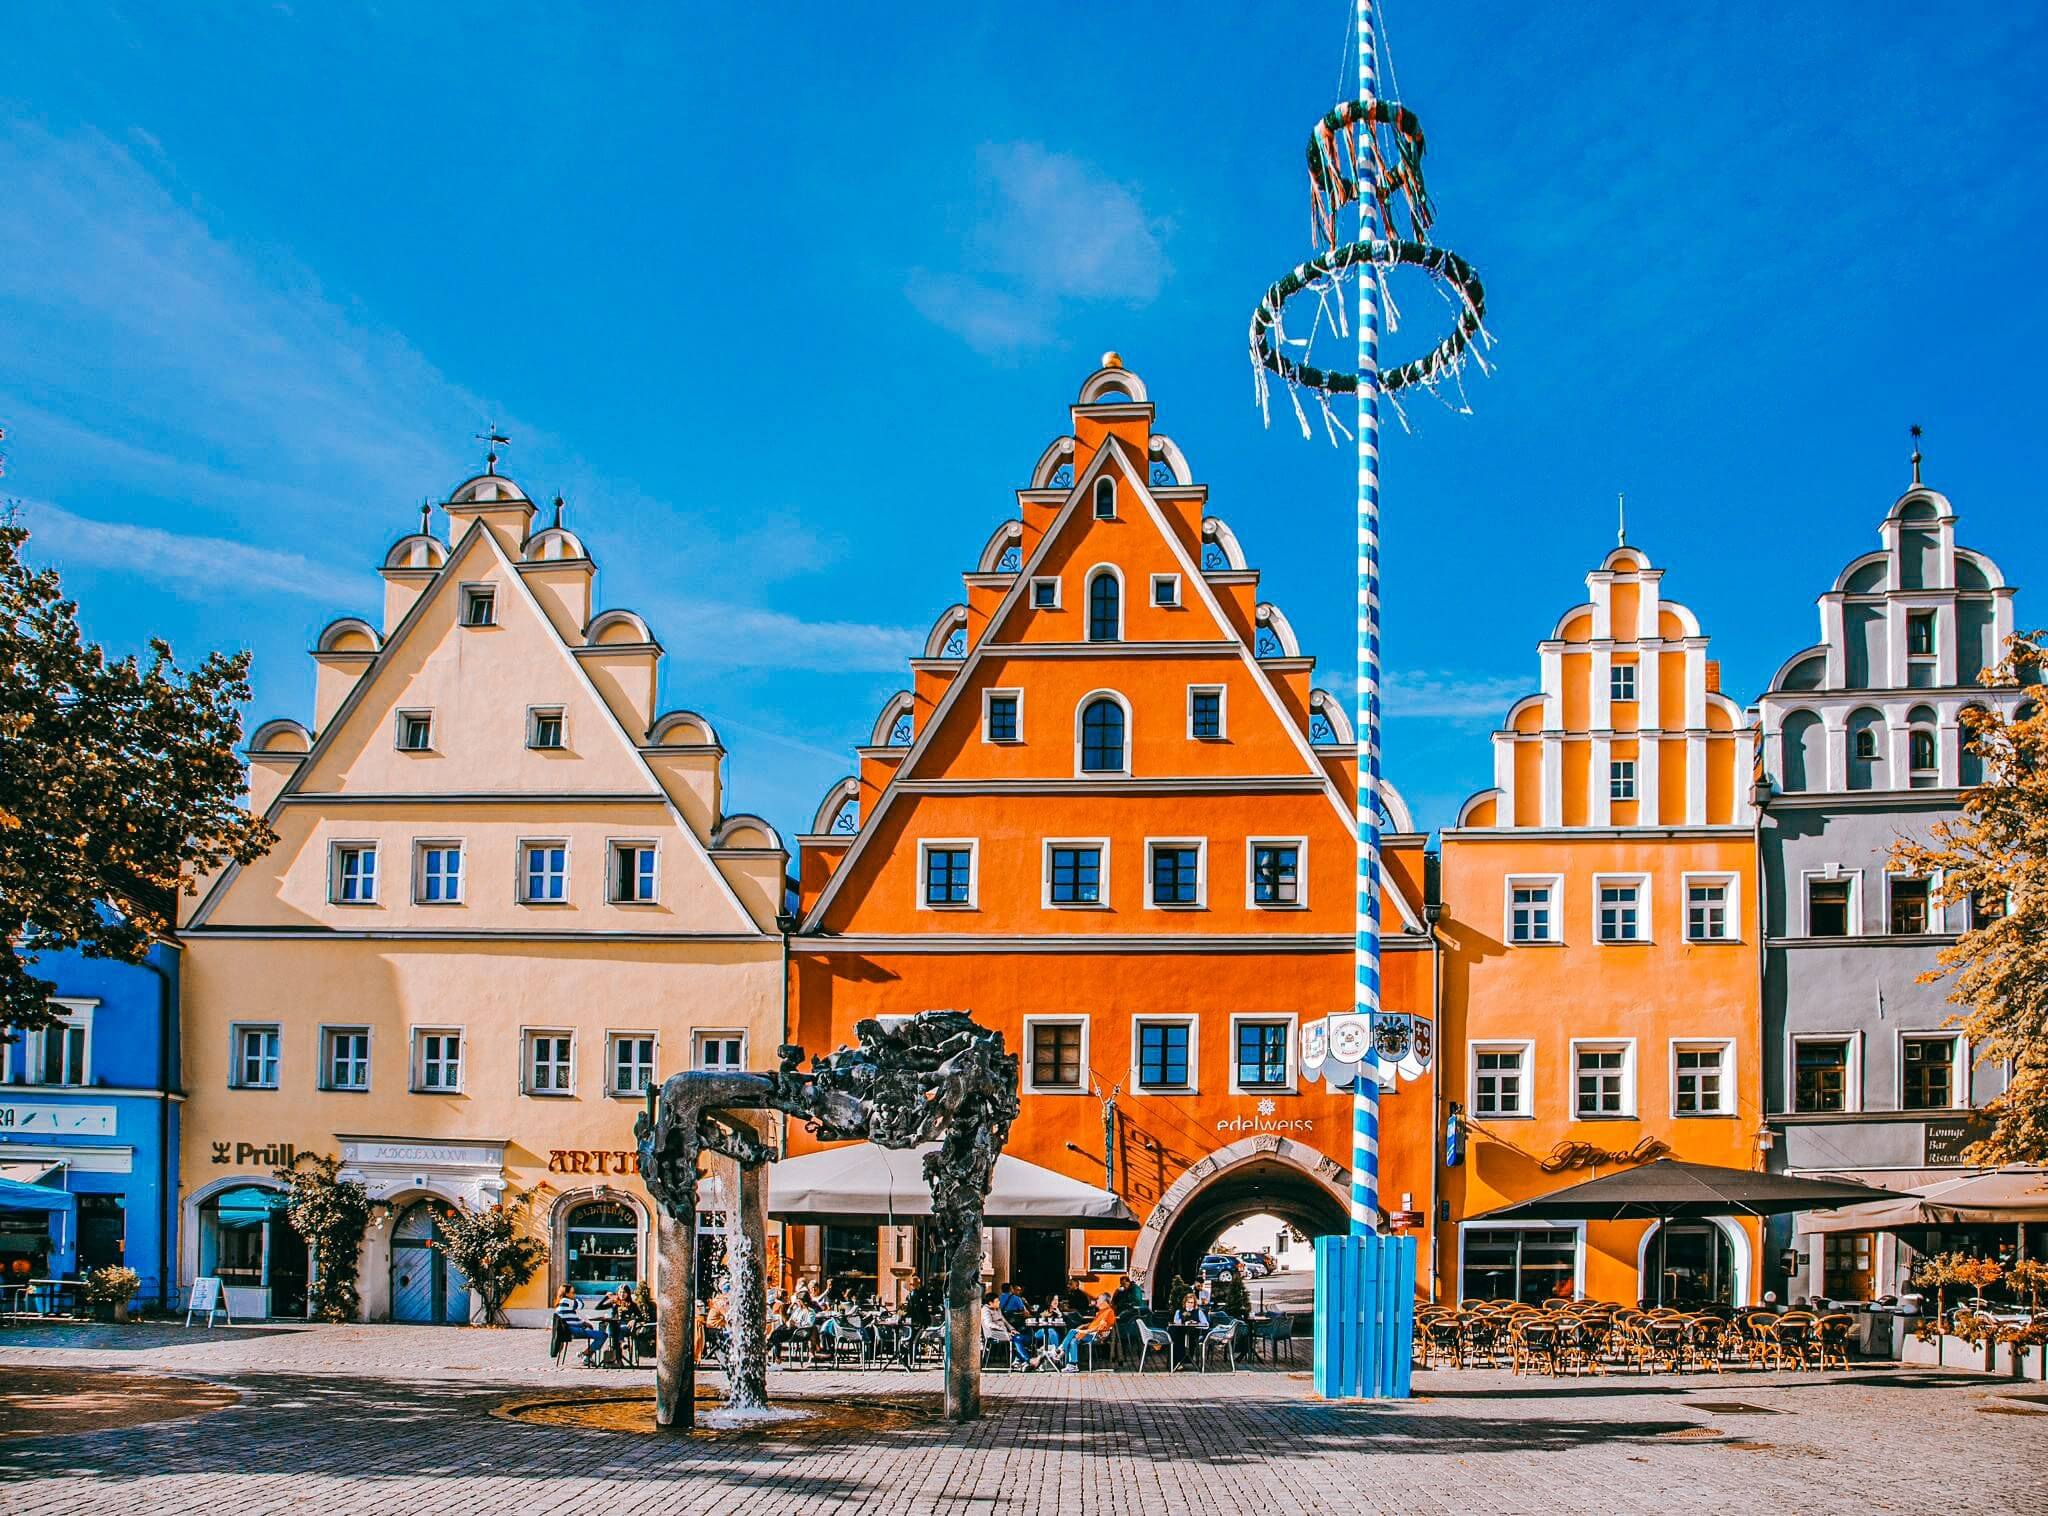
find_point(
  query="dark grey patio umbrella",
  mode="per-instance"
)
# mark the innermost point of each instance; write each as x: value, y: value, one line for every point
x: 1671, y: 1190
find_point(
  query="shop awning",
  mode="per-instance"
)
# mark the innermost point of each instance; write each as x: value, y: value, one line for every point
x: 2002, y: 1197
x: 1669, y: 1189
x: 865, y: 1185
x: 16, y: 1196
x: 34, y: 1171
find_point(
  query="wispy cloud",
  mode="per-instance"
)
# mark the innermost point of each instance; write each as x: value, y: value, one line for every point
x: 187, y: 565
x: 1447, y: 696
x: 706, y: 635
x: 1050, y: 228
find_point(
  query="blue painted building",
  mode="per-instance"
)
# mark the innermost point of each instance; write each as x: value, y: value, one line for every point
x: 90, y: 1108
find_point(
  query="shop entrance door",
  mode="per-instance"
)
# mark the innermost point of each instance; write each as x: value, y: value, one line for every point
x: 102, y: 1232
x: 1689, y: 1266
x: 423, y: 1287
x: 1846, y: 1270
x: 1038, y: 1262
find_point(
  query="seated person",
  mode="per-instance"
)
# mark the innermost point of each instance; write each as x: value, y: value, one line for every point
x: 567, y: 1325
x: 1096, y: 1329
x: 1053, y: 1331
x: 995, y: 1327
x: 1190, y: 1325
x: 715, y: 1322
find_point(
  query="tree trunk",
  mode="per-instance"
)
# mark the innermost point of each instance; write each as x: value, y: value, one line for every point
x: 963, y: 1326
x: 675, y: 1321
x: 746, y: 1314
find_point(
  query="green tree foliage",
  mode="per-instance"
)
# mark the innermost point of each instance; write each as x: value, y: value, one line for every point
x: 1996, y: 853
x: 493, y: 1248
x: 332, y: 1214
x: 120, y: 785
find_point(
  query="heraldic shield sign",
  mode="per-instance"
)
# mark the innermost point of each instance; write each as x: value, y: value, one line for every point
x: 1392, y: 1043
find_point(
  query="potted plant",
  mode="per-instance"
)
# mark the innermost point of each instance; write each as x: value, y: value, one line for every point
x: 111, y: 1288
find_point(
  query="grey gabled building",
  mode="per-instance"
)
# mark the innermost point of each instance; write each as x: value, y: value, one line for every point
x: 1860, y: 744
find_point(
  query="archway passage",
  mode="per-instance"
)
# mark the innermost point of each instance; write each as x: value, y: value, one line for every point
x: 1263, y: 1186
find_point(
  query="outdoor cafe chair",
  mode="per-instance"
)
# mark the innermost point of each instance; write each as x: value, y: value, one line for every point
x: 1578, y: 1346
x: 1221, y: 1335
x: 1153, y: 1339
x: 1831, y: 1338
x: 1277, y: 1333
x: 1794, y: 1339
x: 1533, y: 1342
x: 1704, y: 1337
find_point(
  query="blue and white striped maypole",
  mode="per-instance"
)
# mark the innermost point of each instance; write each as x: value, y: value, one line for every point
x: 1365, y: 1101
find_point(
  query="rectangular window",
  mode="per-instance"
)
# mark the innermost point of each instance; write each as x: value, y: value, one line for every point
x: 355, y: 874
x: 479, y: 605
x: 440, y: 873
x: 437, y: 1062
x: 634, y: 878
x: 719, y: 1052
x: 1827, y: 907
x: 1929, y: 1073
x: 256, y: 1050
x: 1700, y: 1084
x: 1621, y: 907
x: 631, y: 1063
x: 1176, y: 874
x: 54, y: 1055
x: 345, y: 1058
x: 1621, y: 682
x: 544, y: 729
x: 1920, y: 634
x: 415, y: 731
x: 1259, y: 1058
x: 1602, y: 1079
x: 1532, y: 911
x: 1820, y: 1074
x: 1045, y: 594
x: 550, y: 1063
x: 1276, y: 873
x: 1621, y: 779
x: 948, y: 875
x: 544, y: 873
x: 1055, y: 1055
x: 1205, y: 713
x: 1706, y: 911
x: 1074, y: 873
x: 1163, y: 1062
x: 1909, y: 907
x: 1529, y: 1264
x: 1000, y: 717
x: 1166, y: 591
x: 1500, y: 1081
x: 1986, y: 906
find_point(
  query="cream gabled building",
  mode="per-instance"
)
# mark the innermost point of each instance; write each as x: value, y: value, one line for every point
x: 505, y: 897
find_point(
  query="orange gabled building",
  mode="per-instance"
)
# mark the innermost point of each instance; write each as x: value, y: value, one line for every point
x: 1601, y: 997
x: 1111, y: 818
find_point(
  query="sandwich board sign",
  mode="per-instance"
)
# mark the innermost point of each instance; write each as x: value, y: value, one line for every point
x: 208, y: 1296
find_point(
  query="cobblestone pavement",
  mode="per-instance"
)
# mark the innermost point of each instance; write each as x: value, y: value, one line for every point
x: 397, y: 1419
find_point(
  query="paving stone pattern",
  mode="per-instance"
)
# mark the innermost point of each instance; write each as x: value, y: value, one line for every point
x: 397, y: 1420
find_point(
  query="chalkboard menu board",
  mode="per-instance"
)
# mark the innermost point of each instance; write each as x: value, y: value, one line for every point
x: 1109, y: 1260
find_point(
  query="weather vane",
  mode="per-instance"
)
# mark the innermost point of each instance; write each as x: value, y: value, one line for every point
x: 1915, y: 430
x: 492, y: 439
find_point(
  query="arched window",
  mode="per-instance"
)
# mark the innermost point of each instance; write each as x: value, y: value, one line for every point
x: 1105, y: 500
x: 1105, y: 608
x: 1925, y: 762
x: 1102, y: 737
x: 1866, y: 744
x: 604, y: 1247
x: 1973, y: 719
x: 246, y: 1241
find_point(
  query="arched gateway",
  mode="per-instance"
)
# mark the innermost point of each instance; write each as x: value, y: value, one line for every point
x: 1262, y: 1174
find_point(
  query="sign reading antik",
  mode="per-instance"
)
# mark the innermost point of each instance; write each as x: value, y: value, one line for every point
x: 593, y: 1161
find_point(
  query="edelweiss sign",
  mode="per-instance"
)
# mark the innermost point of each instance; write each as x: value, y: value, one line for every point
x: 1266, y: 1121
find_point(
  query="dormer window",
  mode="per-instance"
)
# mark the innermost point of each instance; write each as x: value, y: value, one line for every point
x: 1166, y: 591
x: 415, y: 731
x: 479, y: 605
x: 1105, y: 500
x: 1045, y: 594
x: 544, y: 728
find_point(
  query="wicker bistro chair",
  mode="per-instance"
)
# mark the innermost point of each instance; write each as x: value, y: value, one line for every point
x: 1579, y: 1339
x: 1481, y: 1334
x: 1795, y: 1340
x: 1831, y: 1336
x: 1533, y: 1344
x: 1704, y: 1338
x: 1440, y: 1340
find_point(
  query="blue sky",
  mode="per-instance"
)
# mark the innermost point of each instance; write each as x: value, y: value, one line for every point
x: 787, y: 300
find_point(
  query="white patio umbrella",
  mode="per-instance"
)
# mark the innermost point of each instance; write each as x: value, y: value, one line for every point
x: 861, y: 1184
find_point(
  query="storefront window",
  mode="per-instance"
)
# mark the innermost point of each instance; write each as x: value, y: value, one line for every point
x: 852, y: 1258
x: 247, y: 1242
x: 1530, y: 1264
x: 604, y: 1247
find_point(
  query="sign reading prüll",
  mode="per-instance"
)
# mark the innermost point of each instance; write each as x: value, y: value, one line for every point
x: 1583, y: 1155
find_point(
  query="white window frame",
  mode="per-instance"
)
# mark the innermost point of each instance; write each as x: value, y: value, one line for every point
x: 1222, y: 694
x: 1852, y: 1072
x: 1171, y: 584
x: 527, y: 1038
x: 1937, y: 915
x: 1644, y: 931
x: 1959, y: 1086
x: 1095, y: 498
x: 334, y: 851
x: 328, y: 1032
x: 420, y: 848
x: 1576, y: 1228
x: 1292, y: 1021
x: 1030, y: 1059
x: 73, y: 1014
x: 950, y: 844
x: 534, y: 716
x: 613, y: 846
x: 1555, y: 884
x: 1122, y: 703
x: 398, y: 730
x: 1101, y: 903
x: 699, y: 1036
x: 1123, y: 605
x: 418, y: 1083
x: 1629, y: 1083
x: 1621, y: 772
x: 1251, y: 879
x: 1201, y: 847
x: 1854, y: 879
x: 1725, y: 1046
x: 1031, y: 588
x: 521, y: 874
x: 236, y: 1031
x: 987, y: 735
x: 1194, y: 1026
x: 471, y: 593
x: 1732, y: 909
x: 1615, y: 671
x: 1526, y: 1048
x: 612, y: 1039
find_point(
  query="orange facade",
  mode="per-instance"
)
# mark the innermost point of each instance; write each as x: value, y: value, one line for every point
x: 1600, y: 969
x: 1111, y: 817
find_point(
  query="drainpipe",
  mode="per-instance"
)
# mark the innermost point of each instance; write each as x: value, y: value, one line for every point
x: 167, y: 1018
x: 1432, y: 913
